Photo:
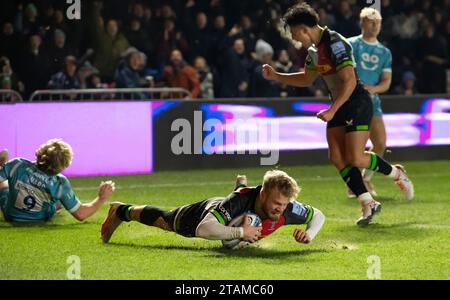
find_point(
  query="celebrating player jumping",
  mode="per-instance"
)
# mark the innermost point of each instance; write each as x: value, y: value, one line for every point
x: 350, y: 115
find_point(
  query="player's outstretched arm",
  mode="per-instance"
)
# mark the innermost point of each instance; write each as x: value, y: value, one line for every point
x: 313, y: 228
x: 86, y: 210
x: 301, y: 79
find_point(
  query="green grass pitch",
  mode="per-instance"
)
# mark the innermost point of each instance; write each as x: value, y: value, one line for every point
x: 412, y: 240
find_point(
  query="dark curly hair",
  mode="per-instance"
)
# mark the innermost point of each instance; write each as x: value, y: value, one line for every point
x: 301, y: 14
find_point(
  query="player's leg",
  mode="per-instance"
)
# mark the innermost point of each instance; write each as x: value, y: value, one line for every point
x: 371, y: 161
x: 148, y: 215
x: 336, y: 138
x: 378, y: 139
x: 362, y: 114
x: 336, y: 151
x: 241, y: 182
x: 355, y: 142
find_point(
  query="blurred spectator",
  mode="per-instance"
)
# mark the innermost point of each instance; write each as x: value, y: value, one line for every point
x: 235, y: 71
x: 179, y: 74
x: 59, y: 21
x: 10, y: 43
x: 26, y: 22
x: 67, y: 78
x: 259, y: 86
x: 206, y: 78
x: 200, y: 40
x: 433, y: 49
x: 94, y: 81
x: 49, y: 14
x: 326, y: 19
x: 128, y: 74
x: 218, y: 38
x: 9, y: 80
x: 246, y: 33
x: 58, y: 51
x: 447, y: 40
x: 408, y: 87
x: 406, y: 25
x: 137, y: 11
x: 201, y: 27
x: 34, y: 66
x: 84, y: 72
x: 346, y: 21
x: 149, y: 23
x: 285, y: 65
x: 273, y: 36
x: 138, y: 37
x: 169, y: 40
x: 108, y: 42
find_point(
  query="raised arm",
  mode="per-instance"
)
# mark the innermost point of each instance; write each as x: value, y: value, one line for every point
x: 300, y: 79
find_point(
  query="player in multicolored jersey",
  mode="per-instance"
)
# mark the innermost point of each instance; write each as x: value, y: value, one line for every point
x: 273, y: 202
x: 350, y: 115
x: 31, y: 191
x: 374, y: 68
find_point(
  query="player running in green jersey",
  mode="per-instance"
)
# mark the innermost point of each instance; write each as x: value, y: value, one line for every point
x: 350, y: 115
x: 31, y: 191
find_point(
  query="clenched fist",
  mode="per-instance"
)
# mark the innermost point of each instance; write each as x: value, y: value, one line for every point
x: 269, y: 72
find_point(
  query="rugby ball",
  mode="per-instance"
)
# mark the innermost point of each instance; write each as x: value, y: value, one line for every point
x: 252, y: 219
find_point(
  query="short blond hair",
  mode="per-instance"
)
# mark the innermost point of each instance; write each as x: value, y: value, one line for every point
x: 280, y: 180
x: 370, y: 13
x: 54, y: 156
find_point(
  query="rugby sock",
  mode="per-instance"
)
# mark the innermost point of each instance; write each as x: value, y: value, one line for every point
x: 368, y: 175
x: 377, y: 164
x: 124, y: 212
x: 353, y: 178
x: 150, y: 214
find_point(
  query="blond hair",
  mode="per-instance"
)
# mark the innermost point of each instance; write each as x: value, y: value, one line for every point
x: 370, y: 13
x: 54, y: 156
x: 280, y: 180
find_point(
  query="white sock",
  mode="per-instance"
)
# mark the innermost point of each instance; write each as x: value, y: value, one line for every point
x: 365, y: 199
x: 395, y: 172
x: 368, y: 174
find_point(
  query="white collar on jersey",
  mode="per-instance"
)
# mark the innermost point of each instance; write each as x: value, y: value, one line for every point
x: 369, y: 43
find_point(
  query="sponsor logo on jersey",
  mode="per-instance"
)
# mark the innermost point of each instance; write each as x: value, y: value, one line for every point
x: 338, y: 48
x: 324, y: 68
x: 298, y: 209
x: 225, y: 213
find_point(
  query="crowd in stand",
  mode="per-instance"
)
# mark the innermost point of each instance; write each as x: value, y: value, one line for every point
x: 213, y: 48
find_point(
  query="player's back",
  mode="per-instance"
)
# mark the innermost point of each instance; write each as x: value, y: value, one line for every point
x: 33, y: 194
x: 372, y: 59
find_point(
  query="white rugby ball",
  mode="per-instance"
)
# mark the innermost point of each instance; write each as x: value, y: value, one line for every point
x: 252, y: 219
